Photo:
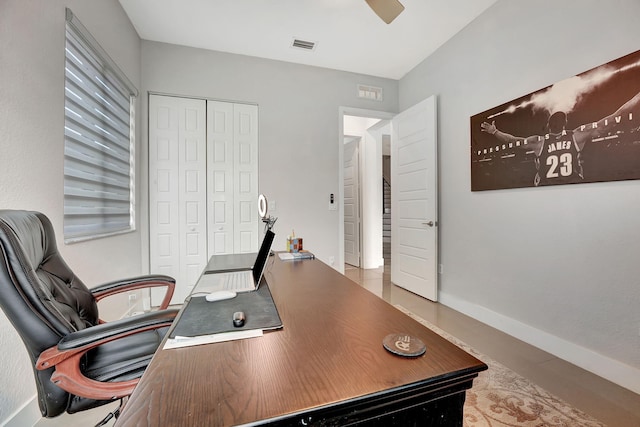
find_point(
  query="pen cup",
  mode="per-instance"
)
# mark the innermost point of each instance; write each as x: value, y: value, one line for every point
x: 294, y: 244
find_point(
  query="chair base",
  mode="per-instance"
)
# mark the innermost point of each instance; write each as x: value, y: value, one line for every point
x: 113, y: 414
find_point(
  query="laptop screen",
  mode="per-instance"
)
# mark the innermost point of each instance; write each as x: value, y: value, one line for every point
x: 263, y: 255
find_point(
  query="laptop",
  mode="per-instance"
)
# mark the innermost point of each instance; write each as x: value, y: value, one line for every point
x: 239, y: 281
x: 230, y: 262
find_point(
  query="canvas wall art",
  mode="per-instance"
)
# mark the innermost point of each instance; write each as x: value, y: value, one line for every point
x: 582, y: 129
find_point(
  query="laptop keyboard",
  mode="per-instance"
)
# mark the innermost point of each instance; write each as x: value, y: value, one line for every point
x: 235, y: 282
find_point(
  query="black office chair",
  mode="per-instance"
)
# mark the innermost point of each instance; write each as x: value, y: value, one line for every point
x: 79, y: 361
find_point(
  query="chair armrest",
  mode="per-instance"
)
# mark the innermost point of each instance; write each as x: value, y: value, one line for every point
x: 66, y: 356
x: 140, y: 282
x: 106, y: 332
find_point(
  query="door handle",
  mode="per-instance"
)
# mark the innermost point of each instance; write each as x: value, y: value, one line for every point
x: 430, y: 223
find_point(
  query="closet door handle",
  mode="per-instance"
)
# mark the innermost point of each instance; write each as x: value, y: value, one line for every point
x: 430, y: 223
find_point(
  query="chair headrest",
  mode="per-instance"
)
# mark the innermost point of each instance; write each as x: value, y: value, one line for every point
x: 40, y: 275
x: 29, y: 232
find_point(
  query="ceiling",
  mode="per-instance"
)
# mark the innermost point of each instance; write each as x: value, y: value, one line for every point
x: 348, y: 35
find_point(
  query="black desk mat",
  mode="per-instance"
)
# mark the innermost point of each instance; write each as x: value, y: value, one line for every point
x: 201, y: 317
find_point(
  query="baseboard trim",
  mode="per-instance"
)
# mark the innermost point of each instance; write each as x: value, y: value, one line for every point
x: 619, y: 373
x: 368, y: 265
x: 28, y: 415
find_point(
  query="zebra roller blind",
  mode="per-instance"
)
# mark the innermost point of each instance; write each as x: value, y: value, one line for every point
x: 99, y: 140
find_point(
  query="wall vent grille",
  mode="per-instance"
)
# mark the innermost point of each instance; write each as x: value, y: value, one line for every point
x: 303, y: 44
x: 370, y: 92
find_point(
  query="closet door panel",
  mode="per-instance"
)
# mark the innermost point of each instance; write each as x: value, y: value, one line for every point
x: 177, y: 191
x: 220, y: 177
x: 164, y: 253
x: 245, y: 172
x: 193, y: 193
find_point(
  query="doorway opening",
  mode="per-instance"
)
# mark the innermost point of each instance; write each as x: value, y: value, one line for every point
x: 364, y: 140
x: 414, y: 208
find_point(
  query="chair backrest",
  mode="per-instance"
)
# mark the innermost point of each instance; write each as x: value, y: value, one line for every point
x: 40, y: 295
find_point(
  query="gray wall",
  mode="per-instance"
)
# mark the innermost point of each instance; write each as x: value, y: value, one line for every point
x: 32, y: 34
x: 298, y: 118
x: 557, y: 266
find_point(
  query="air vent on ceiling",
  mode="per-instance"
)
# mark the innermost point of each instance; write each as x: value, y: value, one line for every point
x: 303, y: 44
x: 370, y: 92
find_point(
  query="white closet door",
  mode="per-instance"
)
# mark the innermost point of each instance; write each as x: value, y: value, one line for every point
x: 232, y: 141
x: 177, y: 193
x: 245, y: 170
x: 193, y: 194
x: 220, y: 177
x: 164, y: 236
x: 203, y: 185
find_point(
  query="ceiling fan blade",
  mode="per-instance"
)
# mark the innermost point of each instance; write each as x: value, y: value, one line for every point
x: 387, y: 10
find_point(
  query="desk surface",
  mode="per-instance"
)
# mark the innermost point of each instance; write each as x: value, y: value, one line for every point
x: 329, y: 352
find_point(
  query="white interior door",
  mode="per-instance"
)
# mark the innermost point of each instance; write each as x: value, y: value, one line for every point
x: 193, y: 193
x: 414, y: 220
x: 220, y: 176
x: 232, y: 176
x: 177, y: 193
x: 245, y: 170
x: 164, y: 236
x: 351, y: 203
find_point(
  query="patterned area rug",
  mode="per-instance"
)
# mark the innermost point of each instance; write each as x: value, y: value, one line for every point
x: 501, y: 398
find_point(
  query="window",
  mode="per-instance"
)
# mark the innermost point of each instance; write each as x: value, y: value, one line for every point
x: 99, y: 140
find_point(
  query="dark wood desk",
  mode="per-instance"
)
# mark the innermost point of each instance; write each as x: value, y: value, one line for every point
x: 326, y: 367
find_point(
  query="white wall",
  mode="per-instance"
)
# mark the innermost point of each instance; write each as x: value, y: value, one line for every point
x: 32, y: 35
x: 557, y: 266
x: 298, y: 118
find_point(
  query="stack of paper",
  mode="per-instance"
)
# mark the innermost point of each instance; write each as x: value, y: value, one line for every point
x: 287, y: 256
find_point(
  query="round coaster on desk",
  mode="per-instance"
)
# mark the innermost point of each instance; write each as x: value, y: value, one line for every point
x: 404, y: 345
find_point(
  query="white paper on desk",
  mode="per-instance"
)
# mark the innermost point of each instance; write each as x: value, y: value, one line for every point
x: 179, y: 342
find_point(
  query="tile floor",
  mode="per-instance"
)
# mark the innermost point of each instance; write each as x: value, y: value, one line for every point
x: 609, y: 403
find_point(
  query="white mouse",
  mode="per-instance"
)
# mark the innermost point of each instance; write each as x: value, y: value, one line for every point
x: 220, y: 295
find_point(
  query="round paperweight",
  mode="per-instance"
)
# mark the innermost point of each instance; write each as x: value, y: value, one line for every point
x: 404, y: 345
